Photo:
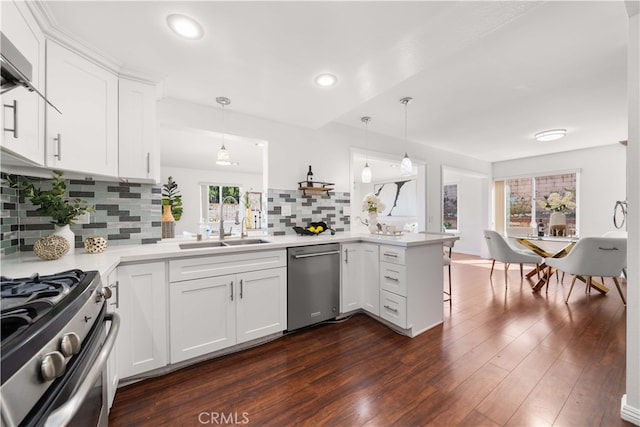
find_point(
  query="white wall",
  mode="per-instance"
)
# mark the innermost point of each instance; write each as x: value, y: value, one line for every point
x: 631, y: 400
x: 602, y: 181
x: 473, y: 195
x: 189, y: 181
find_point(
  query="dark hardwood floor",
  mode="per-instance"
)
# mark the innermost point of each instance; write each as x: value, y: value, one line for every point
x: 502, y: 357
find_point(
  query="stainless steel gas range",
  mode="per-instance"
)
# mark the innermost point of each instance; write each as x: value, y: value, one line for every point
x: 54, y: 349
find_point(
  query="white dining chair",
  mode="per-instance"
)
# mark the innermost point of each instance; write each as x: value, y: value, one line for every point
x: 500, y: 250
x: 594, y: 256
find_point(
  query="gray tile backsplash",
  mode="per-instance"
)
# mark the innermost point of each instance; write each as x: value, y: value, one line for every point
x: 128, y: 214
x: 306, y: 209
x: 125, y: 213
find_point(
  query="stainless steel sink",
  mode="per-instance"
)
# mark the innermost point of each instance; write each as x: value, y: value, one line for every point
x: 200, y: 245
x: 244, y: 242
x: 218, y: 244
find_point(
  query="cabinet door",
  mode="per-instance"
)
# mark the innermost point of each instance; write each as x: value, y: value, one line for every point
x: 202, y: 316
x: 84, y: 138
x: 371, y: 287
x: 261, y: 303
x: 23, y: 111
x: 113, y: 377
x: 142, y: 344
x: 352, y: 280
x: 138, y: 151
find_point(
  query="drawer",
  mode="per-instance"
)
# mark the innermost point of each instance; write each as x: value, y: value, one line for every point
x: 393, y: 278
x: 219, y: 265
x: 392, y: 254
x: 393, y: 308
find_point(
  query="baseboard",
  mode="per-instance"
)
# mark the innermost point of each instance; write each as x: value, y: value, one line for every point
x: 629, y: 413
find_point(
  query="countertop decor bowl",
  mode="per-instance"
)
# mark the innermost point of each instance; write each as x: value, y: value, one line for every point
x: 51, y: 247
x: 95, y: 245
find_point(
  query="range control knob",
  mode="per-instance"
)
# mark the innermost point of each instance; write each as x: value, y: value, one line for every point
x: 52, y: 366
x: 104, y: 293
x: 70, y: 344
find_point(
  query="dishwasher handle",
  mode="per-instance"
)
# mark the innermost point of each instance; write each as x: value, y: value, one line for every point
x: 316, y: 254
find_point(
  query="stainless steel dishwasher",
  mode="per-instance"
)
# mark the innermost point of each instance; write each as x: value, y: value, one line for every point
x: 313, y: 284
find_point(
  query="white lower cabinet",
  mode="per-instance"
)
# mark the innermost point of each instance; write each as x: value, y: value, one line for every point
x: 218, y: 311
x: 359, y: 278
x: 261, y: 305
x: 142, y: 306
x: 351, y: 286
x: 203, y: 316
x: 371, y: 287
x: 393, y: 308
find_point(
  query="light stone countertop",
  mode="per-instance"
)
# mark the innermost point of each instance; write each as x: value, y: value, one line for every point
x: 27, y: 263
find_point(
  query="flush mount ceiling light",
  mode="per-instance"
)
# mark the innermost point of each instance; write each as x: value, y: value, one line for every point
x: 366, y: 171
x: 326, y: 80
x: 185, y: 26
x: 223, y: 155
x: 550, y: 135
x: 406, y: 167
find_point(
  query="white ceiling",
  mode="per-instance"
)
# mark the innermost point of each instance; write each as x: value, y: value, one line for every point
x: 485, y: 76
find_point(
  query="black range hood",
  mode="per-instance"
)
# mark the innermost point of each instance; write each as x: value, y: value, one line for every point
x: 16, y: 70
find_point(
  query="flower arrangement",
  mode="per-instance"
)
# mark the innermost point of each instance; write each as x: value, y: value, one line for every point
x: 372, y: 204
x: 554, y: 203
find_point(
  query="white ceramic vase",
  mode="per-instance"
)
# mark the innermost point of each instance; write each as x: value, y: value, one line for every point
x: 557, y: 218
x: 373, y: 222
x: 69, y: 236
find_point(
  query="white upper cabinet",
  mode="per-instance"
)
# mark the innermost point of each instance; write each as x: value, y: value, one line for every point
x: 23, y: 111
x: 84, y: 138
x: 139, y: 154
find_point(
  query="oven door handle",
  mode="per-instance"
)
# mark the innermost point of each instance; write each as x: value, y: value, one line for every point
x: 64, y: 414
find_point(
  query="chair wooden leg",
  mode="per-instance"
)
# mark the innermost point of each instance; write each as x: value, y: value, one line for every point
x: 506, y: 269
x: 588, y: 288
x: 615, y: 280
x: 562, y: 280
x: 573, y: 282
x: 492, y: 265
x: 538, y: 270
x: 549, y: 275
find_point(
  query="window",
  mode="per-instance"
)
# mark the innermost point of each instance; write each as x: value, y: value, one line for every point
x: 525, y: 200
x: 213, y: 194
x: 450, y: 206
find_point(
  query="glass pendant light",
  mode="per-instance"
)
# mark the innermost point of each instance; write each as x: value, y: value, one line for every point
x: 406, y: 167
x: 366, y: 171
x: 223, y: 154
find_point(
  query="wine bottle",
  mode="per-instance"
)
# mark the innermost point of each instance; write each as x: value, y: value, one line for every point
x: 310, y: 177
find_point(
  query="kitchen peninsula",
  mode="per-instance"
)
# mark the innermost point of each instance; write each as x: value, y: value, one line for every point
x: 397, y: 280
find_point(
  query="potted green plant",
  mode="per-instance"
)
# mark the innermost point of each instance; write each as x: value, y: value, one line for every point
x: 54, y: 203
x: 171, y: 196
x: 171, y: 208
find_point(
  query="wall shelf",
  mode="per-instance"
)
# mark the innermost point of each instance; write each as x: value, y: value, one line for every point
x: 315, y: 187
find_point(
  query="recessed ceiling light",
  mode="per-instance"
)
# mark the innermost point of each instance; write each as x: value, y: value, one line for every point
x: 550, y: 135
x: 185, y: 26
x: 326, y: 80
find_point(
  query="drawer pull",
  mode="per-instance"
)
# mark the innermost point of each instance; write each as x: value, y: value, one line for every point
x: 395, y: 279
x: 395, y: 310
x: 391, y: 255
x: 232, y: 290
